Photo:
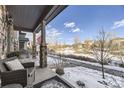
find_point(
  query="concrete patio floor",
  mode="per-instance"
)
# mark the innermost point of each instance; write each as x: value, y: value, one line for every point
x: 42, y: 74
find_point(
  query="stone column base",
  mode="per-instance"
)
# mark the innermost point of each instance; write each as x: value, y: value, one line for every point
x: 43, y: 56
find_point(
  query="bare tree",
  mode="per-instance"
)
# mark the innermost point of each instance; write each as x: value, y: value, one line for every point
x: 76, y: 43
x: 101, y: 48
x: 121, y: 57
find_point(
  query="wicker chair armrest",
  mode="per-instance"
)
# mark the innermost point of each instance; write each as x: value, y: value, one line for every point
x: 31, y: 75
x: 28, y: 64
x: 14, y: 77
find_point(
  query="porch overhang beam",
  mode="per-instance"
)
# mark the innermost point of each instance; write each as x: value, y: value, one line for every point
x: 56, y: 9
x: 22, y: 29
x: 54, y: 12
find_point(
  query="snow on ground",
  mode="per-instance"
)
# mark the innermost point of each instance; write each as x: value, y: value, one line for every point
x: 97, y: 64
x: 70, y: 51
x: 92, y: 78
x: 53, y: 84
x: 66, y: 51
x: 52, y: 61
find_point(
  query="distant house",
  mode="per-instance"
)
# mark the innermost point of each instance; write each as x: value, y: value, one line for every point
x: 118, y: 42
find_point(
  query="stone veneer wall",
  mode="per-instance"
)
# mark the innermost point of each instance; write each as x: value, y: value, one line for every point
x: 3, y: 33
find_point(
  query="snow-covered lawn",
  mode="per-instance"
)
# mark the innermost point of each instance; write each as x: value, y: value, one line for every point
x: 92, y: 78
x: 53, y: 84
x: 66, y: 51
x: 51, y: 61
x: 70, y: 51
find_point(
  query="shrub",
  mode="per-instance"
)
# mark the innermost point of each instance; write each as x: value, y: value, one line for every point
x: 13, y: 54
x: 52, y: 51
x: 80, y: 58
x: 77, y: 57
x: 121, y: 65
x: 80, y: 83
x: 106, y: 62
x: 60, y: 71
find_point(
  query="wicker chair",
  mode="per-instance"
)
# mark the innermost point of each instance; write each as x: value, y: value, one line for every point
x: 18, y: 76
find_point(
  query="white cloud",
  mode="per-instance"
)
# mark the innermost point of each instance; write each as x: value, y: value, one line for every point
x: 52, y: 35
x: 118, y: 24
x: 72, y: 26
x: 69, y: 24
x: 76, y: 30
x: 53, y: 32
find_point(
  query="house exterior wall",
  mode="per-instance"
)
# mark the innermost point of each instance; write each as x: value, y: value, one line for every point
x: 119, y: 43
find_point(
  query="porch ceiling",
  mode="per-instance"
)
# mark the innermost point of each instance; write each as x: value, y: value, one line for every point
x: 28, y: 17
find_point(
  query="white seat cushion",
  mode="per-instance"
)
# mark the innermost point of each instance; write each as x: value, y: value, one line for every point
x: 14, y: 65
x: 13, y: 86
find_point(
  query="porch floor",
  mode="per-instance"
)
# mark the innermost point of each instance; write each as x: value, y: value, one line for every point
x: 42, y: 74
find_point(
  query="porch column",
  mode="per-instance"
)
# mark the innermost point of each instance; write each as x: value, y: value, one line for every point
x: 43, y: 47
x: 34, y: 46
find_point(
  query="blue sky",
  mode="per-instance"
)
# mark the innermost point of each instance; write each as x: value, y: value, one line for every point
x: 85, y: 22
